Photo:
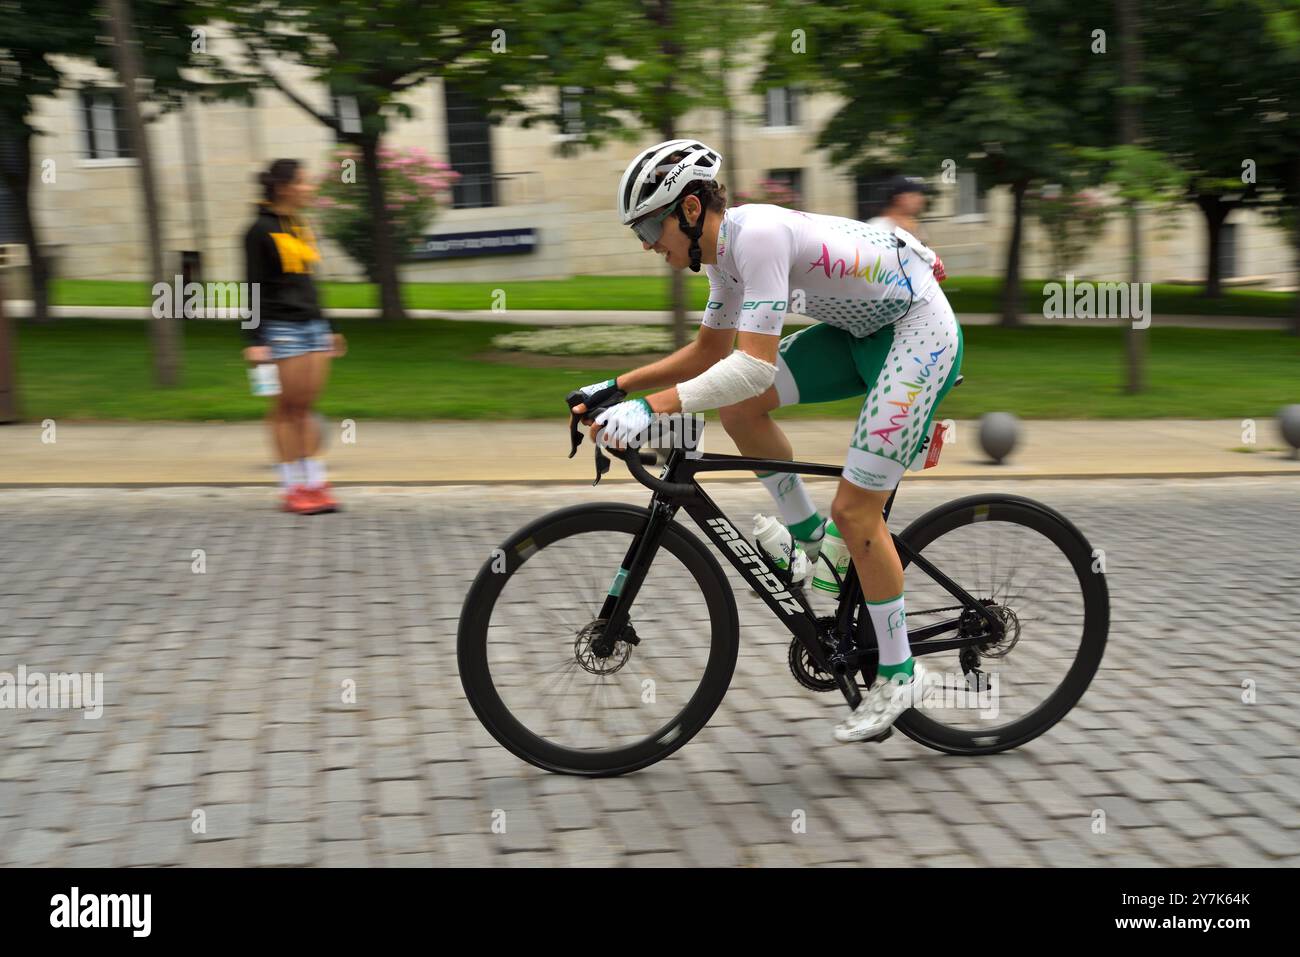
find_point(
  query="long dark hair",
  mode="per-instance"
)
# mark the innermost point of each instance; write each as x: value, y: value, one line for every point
x: 280, y: 173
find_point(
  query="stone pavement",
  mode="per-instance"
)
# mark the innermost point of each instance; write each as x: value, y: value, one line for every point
x: 180, y: 453
x: 223, y: 694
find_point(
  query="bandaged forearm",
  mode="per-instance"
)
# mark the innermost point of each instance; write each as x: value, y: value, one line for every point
x: 736, y: 378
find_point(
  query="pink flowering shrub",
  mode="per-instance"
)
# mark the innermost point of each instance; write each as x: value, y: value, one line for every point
x: 1072, y: 221
x: 774, y: 192
x: 416, y: 186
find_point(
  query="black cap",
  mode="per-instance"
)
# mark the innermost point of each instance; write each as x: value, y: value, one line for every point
x: 906, y: 184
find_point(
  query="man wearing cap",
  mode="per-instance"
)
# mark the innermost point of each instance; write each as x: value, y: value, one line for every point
x: 906, y: 201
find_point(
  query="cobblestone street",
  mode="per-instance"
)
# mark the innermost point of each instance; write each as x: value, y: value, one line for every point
x: 224, y: 695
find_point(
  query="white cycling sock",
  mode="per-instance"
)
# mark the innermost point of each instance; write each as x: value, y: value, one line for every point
x: 890, y: 624
x: 795, y: 505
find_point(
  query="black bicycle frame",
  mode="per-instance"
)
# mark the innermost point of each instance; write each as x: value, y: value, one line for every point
x: 789, y: 605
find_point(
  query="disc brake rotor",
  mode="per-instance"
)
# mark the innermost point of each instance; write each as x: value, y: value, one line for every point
x: 591, y: 662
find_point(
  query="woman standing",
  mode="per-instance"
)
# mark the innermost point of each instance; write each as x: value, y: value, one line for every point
x: 280, y: 253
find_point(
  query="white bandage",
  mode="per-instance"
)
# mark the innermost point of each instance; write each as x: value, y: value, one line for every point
x: 736, y: 378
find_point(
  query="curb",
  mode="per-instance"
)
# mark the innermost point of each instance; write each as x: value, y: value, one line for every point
x: 552, y: 483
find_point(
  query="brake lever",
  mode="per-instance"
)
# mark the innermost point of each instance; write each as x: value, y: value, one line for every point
x: 602, y: 464
x: 575, y: 434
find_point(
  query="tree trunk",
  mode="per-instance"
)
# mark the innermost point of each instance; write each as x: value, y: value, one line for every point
x: 166, y: 330
x: 1295, y: 300
x: 660, y: 13
x: 1216, y: 213
x: 1130, y: 127
x: 8, y: 368
x: 1135, y: 340
x: 1011, y: 281
x: 390, y: 285
x: 194, y: 179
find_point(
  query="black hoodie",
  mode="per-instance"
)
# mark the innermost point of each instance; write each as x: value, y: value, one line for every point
x: 280, y: 254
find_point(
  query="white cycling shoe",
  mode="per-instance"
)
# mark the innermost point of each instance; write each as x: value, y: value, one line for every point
x: 882, y: 704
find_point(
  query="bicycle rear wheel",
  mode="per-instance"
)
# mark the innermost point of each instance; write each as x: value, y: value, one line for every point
x: 527, y: 628
x: 1035, y: 572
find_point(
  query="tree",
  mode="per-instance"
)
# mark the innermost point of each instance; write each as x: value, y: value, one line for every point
x: 369, y: 54
x: 1280, y: 127
x: 1130, y: 121
x: 31, y: 34
x: 641, y: 65
x: 165, y: 329
x: 1007, y: 90
x: 1211, y: 75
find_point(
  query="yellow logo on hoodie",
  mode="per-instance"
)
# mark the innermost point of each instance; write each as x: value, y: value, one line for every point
x: 297, y: 249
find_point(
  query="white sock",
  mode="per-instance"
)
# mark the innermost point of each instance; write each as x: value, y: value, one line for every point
x: 792, y: 500
x: 289, y: 475
x: 890, y: 623
x: 315, y: 472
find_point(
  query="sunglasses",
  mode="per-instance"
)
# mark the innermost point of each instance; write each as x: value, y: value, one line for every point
x: 648, y: 229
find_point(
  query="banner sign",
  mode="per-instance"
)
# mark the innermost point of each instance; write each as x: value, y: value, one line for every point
x: 483, y: 242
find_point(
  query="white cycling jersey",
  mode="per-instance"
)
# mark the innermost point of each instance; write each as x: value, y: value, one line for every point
x: 852, y: 275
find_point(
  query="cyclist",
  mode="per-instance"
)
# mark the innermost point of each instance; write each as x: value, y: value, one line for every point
x: 884, y: 328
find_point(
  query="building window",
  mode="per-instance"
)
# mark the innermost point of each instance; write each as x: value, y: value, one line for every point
x: 970, y: 198
x: 469, y: 151
x: 347, y: 113
x: 101, y: 121
x: 872, y: 195
x: 9, y: 159
x: 792, y: 181
x: 1227, y: 250
x: 571, y: 103
x: 781, y: 107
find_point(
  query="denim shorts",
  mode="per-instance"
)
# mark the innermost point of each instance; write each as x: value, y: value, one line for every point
x: 288, y: 339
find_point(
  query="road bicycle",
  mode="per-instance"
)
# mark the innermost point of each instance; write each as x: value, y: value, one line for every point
x: 600, y: 638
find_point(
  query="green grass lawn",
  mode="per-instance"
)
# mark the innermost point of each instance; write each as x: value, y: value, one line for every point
x: 100, y: 369
x: 966, y: 293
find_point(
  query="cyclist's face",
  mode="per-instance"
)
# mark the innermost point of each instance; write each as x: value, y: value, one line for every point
x: 673, y: 244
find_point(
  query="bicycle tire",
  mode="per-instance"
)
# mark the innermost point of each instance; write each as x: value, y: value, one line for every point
x: 1096, y: 619
x: 472, y: 643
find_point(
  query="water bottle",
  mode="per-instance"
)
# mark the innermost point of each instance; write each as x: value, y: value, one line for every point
x: 834, y: 554
x: 264, y: 378
x: 776, y: 542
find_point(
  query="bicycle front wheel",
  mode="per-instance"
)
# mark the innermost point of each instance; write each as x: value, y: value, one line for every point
x: 530, y: 657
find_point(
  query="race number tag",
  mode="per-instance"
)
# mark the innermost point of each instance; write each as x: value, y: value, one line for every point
x: 928, y: 455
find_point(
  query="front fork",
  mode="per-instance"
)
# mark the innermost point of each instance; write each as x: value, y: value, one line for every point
x: 631, y: 574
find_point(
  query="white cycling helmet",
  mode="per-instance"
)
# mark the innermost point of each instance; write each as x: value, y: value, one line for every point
x: 652, y: 182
